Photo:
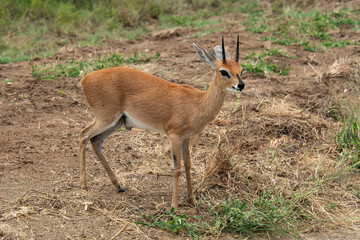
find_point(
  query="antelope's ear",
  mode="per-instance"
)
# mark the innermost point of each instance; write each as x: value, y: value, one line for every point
x: 218, y: 52
x: 206, y: 56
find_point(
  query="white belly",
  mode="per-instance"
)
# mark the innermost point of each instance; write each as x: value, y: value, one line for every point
x: 132, y: 122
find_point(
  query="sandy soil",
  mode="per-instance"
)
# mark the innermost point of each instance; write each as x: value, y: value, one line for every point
x: 40, y: 194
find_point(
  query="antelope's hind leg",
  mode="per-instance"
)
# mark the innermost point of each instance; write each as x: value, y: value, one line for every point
x: 97, y: 142
x: 97, y: 132
x: 84, y: 139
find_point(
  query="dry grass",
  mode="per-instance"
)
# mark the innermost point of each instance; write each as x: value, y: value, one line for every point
x: 9, y: 232
x: 340, y: 69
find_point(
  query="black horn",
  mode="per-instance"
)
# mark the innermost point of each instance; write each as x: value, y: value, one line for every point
x: 237, y: 50
x: 223, y: 50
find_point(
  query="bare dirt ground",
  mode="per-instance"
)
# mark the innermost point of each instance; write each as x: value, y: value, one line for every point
x: 40, y: 196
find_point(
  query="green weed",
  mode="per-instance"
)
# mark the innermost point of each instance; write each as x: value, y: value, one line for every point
x: 236, y: 107
x: 267, y: 213
x: 334, y: 112
x: 175, y: 224
x: 284, y: 71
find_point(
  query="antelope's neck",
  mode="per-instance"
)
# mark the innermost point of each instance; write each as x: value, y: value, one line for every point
x: 213, y: 100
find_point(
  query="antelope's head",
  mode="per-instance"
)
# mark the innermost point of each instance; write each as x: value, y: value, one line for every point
x: 228, y: 71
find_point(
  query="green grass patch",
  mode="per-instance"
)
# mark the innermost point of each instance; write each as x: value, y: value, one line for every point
x: 12, y: 55
x: 207, y: 31
x: 317, y: 26
x: 48, y: 25
x: 305, y: 27
x: 170, y: 21
x: 348, y: 140
x: 260, y: 62
x: 267, y: 214
x: 257, y: 23
x: 259, y: 67
x: 169, y: 221
x: 308, y: 46
x: 30, y: 28
x: 285, y: 41
x: 338, y: 44
x: 76, y: 68
x: 4, y: 82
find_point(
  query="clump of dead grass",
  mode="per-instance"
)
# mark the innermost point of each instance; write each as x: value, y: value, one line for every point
x: 339, y: 69
x: 346, y: 69
x: 284, y: 118
x: 8, y: 232
x: 217, y: 171
x: 218, y: 166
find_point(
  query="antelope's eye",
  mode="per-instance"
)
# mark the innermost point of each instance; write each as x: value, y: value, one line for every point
x: 224, y: 73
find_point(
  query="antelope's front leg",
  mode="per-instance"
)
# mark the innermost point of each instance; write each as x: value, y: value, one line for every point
x: 187, y: 164
x: 176, y: 157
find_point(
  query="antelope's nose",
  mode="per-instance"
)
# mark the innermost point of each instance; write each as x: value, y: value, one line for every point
x: 241, y: 86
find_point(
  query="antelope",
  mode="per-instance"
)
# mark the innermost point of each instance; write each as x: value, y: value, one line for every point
x: 123, y: 96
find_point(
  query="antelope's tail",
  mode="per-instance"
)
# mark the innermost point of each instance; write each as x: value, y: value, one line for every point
x: 81, y: 82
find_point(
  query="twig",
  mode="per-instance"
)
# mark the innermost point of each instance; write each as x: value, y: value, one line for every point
x: 30, y: 190
x: 134, y: 226
x: 258, y: 106
x: 315, y: 71
x: 162, y: 175
x: 119, y: 232
x: 72, y: 120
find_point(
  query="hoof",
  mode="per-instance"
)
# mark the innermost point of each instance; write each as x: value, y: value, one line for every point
x: 192, y: 201
x: 84, y: 188
x: 120, y: 189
